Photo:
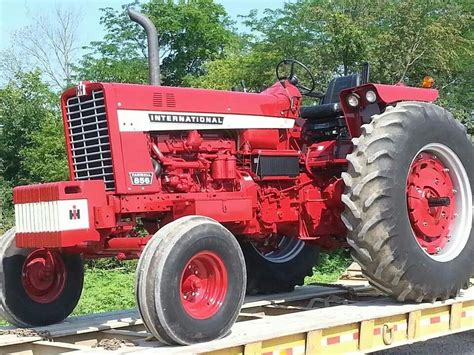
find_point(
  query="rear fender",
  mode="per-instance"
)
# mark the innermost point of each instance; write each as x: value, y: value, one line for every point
x: 386, y: 95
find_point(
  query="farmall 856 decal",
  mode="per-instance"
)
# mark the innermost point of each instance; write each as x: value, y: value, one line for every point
x: 141, y: 179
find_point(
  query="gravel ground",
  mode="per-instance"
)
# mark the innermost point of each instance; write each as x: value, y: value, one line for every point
x: 457, y: 344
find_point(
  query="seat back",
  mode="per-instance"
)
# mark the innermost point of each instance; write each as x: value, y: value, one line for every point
x: 336, y: 85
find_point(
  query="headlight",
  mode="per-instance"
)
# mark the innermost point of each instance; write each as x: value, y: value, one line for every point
x: 353, y: 100
x: 371, y: 96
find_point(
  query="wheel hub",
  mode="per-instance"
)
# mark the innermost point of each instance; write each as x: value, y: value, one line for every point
x: 43, y: 275
x: 203, y: 285
x: 431, y: 201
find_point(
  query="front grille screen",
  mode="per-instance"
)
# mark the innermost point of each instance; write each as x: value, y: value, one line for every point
x: 89, y: 138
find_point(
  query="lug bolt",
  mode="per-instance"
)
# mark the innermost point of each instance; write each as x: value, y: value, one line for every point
x: 195, y: 272
x: 419, y: 190
x: 455, y: 191
x: 436, y: 181
x: 425, y: 224
x: 193, y: 294
x: 455, y: 215
x: 185, y: 297
x: 446, y: 170
x: 438, y: 249
x: 434, y: 156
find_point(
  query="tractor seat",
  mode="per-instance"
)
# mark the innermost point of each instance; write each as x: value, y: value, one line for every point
x: 320, y: 111
x: 330, y: 106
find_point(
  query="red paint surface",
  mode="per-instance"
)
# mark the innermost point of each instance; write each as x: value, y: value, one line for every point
x: 209, y: 173
x: 429, y: 178
x: 333, y: 340
x: 43, y: 275
x: 386, y: 95
x: 203, y: 285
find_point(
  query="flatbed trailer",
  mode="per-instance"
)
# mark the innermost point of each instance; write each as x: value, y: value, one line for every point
x: 343, y: 318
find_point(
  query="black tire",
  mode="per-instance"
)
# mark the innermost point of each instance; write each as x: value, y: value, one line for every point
x: 376, y: 214
x: 16, y: 306
x: 159, y: 274
x: 265, y: 276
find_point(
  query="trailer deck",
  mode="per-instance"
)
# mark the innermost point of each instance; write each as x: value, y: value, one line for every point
x: 313, y: 319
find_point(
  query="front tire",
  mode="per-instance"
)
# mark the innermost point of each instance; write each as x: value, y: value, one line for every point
x: 408, y: 202
x: 37, y: 287
x: 278, y: 269
x: 190, y: 282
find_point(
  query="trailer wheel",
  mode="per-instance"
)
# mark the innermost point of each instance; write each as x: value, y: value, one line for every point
x: 278, y: 268
x: 408, y: 202
x: 37, y: 286
x: 190, y: 281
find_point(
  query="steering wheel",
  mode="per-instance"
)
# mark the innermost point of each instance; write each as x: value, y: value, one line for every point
x: 292, y: 78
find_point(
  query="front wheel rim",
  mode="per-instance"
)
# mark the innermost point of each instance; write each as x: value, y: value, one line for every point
x: 439, y: 202
x: 43, y: 276
x: 203, y: 285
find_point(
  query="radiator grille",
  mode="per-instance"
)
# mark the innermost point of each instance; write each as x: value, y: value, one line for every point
x: 89, y: 138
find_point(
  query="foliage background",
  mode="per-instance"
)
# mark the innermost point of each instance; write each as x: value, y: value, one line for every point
x: 202, y: 47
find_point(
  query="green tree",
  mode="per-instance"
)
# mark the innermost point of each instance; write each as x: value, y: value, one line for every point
x: 31, y: 139
x: 46, y: 158
x: 190, y: 34
x: 403, y: 40
x: 24, y: 103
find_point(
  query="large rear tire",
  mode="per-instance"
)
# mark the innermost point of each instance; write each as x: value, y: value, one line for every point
x: 37, y: 287
x: 190, y: 281
x: 280, y: 268
x: 408, y: 202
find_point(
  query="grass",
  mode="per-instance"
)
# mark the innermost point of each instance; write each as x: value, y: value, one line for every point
x: 330, y: 267
x: 107, y: 290
x: 109, y: 284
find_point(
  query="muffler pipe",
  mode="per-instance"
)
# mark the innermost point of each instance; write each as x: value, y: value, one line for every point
x: 153, y: 47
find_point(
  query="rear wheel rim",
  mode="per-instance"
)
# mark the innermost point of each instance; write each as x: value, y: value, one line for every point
x: 439, y: 202
x: 279, y: 249
x: 203, y: 285
x: 43, y: 276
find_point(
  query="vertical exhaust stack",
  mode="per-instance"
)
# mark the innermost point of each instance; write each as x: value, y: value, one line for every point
x: 153, y: 47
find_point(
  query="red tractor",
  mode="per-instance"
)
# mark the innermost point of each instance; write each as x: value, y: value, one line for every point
x: 237, y: 192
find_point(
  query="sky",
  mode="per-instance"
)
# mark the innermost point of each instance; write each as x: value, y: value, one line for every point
x: 16, y: 14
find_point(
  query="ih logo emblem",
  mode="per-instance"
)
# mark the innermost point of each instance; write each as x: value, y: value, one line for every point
x: 74, y: 213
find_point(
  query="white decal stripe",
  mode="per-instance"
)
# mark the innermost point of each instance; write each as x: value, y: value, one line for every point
x: 428, y: 321
x: 445, y: 318
x: 51, y: 216
x: 401, y: 326
x: 425, y: 322
x: 345, y: 338
x: 299, y: 350
x: 139, y: 121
